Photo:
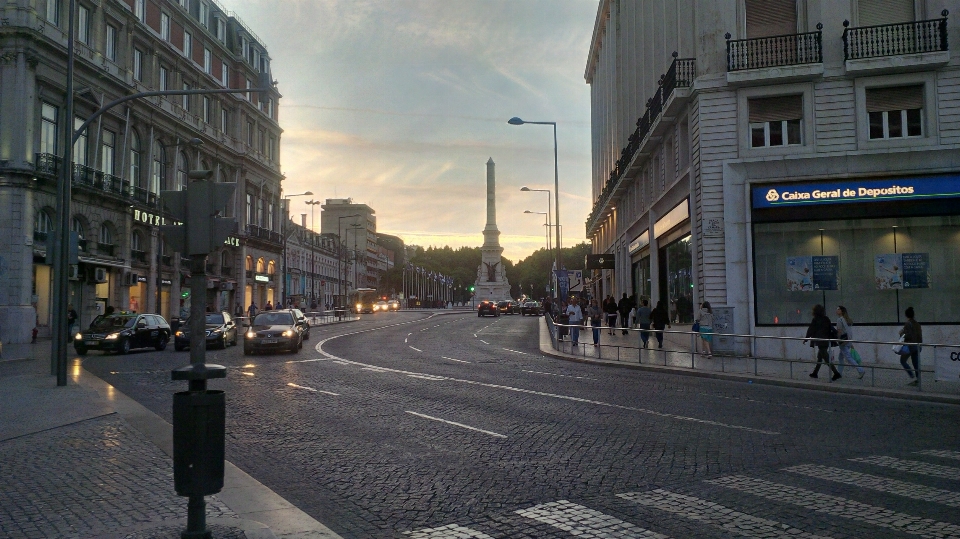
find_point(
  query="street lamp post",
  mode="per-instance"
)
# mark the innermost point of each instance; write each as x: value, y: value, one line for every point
x: 313, y: 276
x: 343, y: 263
x: 546, y: 224
x: 549, y: 208
x: 556, y: 176
x: 286, y: 224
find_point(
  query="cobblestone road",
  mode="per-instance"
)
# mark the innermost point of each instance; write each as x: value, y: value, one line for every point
x: 453, y: 426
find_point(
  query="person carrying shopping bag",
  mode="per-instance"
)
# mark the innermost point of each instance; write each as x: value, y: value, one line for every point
x: 705, y: 321
x: 819, y: 333
x: 912, y: 335
x: 845, y: 333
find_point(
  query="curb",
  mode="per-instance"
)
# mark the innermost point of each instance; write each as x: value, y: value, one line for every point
x: 546, y: 348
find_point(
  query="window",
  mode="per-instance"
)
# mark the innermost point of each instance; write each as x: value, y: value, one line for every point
x: 206, y: 109
x: 165, y: 26
x: 256, y: 58
x: 187, y: 44
x: 224, y: 73
x: 83, y: 25
x: 250, y: 134
x: 110, y: 47
x: 268, y: 107
x: 895, y: 112
x: 185, y: 4
x: 776, y: 121
x: 162, y: 83
x: 53, y: 11
x: 48, y: 129
x: 221, y: 30
x: 186, y: 98
x: 140, y: 9
x: 182, y: 169
x: 771, y: 18
x: 43, y: 224
x: 249, y: 85
x: 80, y: 147
x: 248, y: 262
x: 878, y: 12
x: 77, y: 226
x: 135, y: 154
x: 244, y: 46
x: 107, y: 159
x: 270, y: 216
x: 207, y: 62
x: 106, y: 236
x: 204, y: 14
x: 158, y: 170
x: 260, y: 265
x: 249, y: 210
x: 260, y: 213
x: 137, y: 65
x: 136, y: 241
x: 271, y: 267
x: 262, y: 141
x: 272, y: 148
x: 224, y: 120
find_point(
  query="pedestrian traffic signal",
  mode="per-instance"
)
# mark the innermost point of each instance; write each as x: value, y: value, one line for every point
x: 199, y: 209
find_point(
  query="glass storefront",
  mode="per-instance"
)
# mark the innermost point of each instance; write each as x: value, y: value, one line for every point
x: 641, y: 278
x: 676, y: 280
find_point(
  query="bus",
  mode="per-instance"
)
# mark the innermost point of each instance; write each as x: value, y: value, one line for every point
x: 362, y: 300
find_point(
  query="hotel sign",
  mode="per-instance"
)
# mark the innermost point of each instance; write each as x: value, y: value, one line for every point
x: 148, y: 218
x: 261, y: 278
x: 855, y: 191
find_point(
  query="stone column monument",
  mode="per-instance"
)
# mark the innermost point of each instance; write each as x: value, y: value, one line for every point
x: 491, y: 278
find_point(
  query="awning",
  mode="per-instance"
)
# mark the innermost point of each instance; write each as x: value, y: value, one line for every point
x: 104, y: 262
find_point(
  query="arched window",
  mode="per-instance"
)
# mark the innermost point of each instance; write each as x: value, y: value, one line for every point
x: 42, y: 225
x: 259, y: 265
x: 271, y: 267
x: 158, y: 170
x: 136, y: 152
x: 248, y: 263
x: 77, y: 226
x: 136, y: 241
x: 225, y: 259
x: 182, y: 169
x: 106, y: 235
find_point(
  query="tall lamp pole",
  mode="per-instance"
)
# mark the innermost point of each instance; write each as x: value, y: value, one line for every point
x: 549, y: 209
x: 313, y: 276
x: 556, y: 175
x: 343, y: 261
x: 546, y: 224
x: 286, y: 224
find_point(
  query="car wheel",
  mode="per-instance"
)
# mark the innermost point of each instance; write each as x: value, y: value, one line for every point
x: 81, y: 350
x: 125, y: 346
x: 179, y: 347
x: 160, y: 346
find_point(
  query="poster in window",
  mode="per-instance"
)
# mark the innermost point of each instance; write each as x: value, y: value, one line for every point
x: 888, y: 271
x: 800, y: 273
x: 916, y: 270
x: 826, y: 272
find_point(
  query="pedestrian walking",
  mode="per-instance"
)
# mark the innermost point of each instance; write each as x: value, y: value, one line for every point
x: 819, y: 334
x: 268, y: 306
x: 660, y: 319
x: 912, y: 335
x: 610, y: 308
x: 623, y: 308
x: 643, y: 321
x: 252, y: 310
x: 845, y: 334
x: 596, y: 320
x: 574, y: 318
x: 705, y: 323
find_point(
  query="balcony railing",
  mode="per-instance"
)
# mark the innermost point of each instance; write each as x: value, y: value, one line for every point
x: 895, y: 39
x: 84, y: 176
x: 144, y: 196
x: 48, y: 164
x: 255, y: 231
x: 775, y: 51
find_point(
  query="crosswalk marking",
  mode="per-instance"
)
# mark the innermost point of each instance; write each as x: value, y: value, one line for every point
x: 718, y: 515
x: 586, y: 523
x: 912, y: 466
x: 939, y: 453
x: 842, y: 507
x: 882, y: 484
x: 450, y: 531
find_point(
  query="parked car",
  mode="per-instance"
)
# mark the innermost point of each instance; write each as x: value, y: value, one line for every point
x: 122, y: 332
x: 506, y: 307
x: 394, y: 305
x: 487, y: 307
x: 221, y: 331
x: 273, y: 331
x: 531, y: 308
x: 381, y: 307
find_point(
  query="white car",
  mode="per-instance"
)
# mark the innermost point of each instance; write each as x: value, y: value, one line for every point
x: 381, y: 307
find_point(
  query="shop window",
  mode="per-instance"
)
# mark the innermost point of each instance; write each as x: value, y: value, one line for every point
x: 776, y: 121
x: 895, y: 112
x: 676, y: 280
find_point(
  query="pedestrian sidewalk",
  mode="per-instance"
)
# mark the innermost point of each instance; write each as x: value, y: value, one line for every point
x: 84, y: 460
x: 677, y: 346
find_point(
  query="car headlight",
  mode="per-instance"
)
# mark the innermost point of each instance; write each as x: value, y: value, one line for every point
x: 359, y: 306
x: 251, y: 334
x: 79, y: 337
x: 179, y: 334
x: 288, y: 333
x: 113, y: 336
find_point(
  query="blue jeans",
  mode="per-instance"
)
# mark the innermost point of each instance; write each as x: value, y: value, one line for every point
x: 915, y: 356
x: 575, y: 333
x: 596, y: 331
x: 644, y: 335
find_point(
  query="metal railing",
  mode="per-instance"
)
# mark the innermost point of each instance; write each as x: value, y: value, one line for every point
x: 895, y: 39
x: 775, y: 51
x: 759, y: 355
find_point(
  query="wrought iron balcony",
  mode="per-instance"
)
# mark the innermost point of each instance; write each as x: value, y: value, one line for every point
x: 895, y: 39
x: 144, y: 196
x: 775, y: 51
x: 255, y: 231
x: 47, y: 163
x: 106, y: 249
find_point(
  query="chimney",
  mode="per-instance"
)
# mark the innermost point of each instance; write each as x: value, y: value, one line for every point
x: 303, y: 220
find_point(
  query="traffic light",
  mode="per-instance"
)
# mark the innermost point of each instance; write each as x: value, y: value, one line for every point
x: 198, y: 209
x: 471, y: 288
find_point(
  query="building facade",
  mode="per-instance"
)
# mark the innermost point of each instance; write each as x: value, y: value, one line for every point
x: 356, y: 226
x: 766, y: 156
x: 131, y: 153
x: 315, y: 264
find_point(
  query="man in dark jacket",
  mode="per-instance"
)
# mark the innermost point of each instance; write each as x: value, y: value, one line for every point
x: 660, y: 320
x: 610, y: 309
x: 624, y: 307
x: 819, y: 335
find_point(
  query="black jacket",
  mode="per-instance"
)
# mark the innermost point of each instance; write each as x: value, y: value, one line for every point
x: 659, y: 317
x: 624, y: 306
x: 819, y: 328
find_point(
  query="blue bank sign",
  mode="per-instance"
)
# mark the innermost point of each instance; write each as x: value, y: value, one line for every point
x: 856, y: 191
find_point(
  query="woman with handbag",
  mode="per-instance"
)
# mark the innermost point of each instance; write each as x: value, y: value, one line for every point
x: 912, y: 337
x: 845, y: 333
x: 819, y: 334
x: 705, y: 327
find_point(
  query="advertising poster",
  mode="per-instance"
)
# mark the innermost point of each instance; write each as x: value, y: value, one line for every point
x: 826, y: 272
x: 563, y: 284
x: 916, y: 270
x: 888, y: 271
x: 948, y: 365
x: 800, y: 273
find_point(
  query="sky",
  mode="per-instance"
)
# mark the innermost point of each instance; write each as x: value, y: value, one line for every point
x: 398, y: 104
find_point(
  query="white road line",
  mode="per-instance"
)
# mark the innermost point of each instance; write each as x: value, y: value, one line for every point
x: 311, y: 360
x: 718, y: 515
x: 450, y: 531
x: 474, y: 334
x: 483, y: 341
x: 417, y: 349
x: 881, y: 484
x: 942, y: 454
x: 561, y: 375
x: 291, y: 384
x: 912, y: 466
x: 585, y: 522
x: 456, y: 424
x: 409, y: 334
x: 516, y: 351
x: 246, y: 373
x: 405, y: 341
x: 425, y: 377
x: 451, y: 359
x: 841, y: 507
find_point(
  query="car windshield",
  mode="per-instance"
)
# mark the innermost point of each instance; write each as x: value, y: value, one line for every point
x: 215, y: 319
x: 273, y: 319
x: 114, y: 322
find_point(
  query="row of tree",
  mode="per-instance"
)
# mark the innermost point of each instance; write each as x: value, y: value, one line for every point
x: 529, y: 277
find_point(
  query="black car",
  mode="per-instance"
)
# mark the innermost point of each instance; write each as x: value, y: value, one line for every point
x: 273, y: 331
x: 122, y: 332
x: 506, y: 307
x: 530, y: 307
x: 487, y: 307
x: 221, y: 331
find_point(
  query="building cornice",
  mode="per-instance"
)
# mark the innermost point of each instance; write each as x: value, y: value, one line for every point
x: 599, y: 29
